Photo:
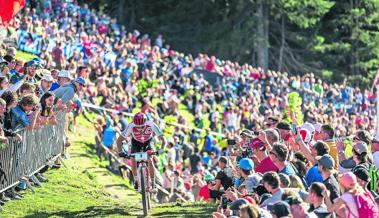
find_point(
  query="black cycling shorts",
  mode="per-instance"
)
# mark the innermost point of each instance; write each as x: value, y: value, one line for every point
x: 138, y: 146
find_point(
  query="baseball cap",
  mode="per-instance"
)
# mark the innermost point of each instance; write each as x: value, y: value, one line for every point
x: 80, y: 80
x: 209, y: 177
x: 280, y: 209
x: 252, y: 182
x: 64, y: 74
x: 47, y: 77
x: 293, y: 200
x: 31, y: 63
x: 361, y: 147
x: 246, y: 164
x: 362, y: 173
x: 283, y: 126
x: 238, y: 203
x: 326, y: 161
x: 257, y: 143
x: 223, y: 160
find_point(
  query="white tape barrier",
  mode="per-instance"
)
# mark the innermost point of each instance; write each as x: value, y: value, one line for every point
x: 161, y: 120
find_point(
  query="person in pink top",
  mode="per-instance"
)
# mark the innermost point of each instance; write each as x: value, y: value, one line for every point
x: 261, y: 158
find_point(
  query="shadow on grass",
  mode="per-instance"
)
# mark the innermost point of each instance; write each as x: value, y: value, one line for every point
x: 89, y: 212
x: 185, y: 210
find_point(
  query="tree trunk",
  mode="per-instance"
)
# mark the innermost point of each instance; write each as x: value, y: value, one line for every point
x: 121, y: 12
x: 262, y: 35
x: 283, y: 39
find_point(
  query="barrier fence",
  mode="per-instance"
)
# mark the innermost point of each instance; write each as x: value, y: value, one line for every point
x: 24, y: 158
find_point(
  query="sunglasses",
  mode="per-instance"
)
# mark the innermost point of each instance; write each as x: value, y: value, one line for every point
x: 356, y: 138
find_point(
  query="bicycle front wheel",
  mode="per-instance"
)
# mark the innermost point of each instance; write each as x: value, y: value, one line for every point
x: 145, y: 198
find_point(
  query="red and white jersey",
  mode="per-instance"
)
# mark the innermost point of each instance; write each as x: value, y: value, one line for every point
x: 142, y: 134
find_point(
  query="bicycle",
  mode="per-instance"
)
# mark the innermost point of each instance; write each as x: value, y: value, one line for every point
x: 142, y: 159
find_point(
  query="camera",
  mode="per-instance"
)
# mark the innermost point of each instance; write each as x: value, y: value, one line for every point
x: 231, y: 142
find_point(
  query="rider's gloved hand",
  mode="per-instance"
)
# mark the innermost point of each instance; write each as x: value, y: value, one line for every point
x: 161, y: 151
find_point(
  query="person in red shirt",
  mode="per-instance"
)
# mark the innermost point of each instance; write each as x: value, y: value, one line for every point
x: 261, y: 158
x: 211, y: 64
x: 204, y: 193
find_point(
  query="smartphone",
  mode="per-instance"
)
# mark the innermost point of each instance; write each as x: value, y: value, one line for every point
x: 294, y: 129
x: 232, y: 142
x: 224, y: 203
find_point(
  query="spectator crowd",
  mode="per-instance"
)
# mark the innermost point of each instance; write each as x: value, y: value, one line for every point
x: 259, y: 144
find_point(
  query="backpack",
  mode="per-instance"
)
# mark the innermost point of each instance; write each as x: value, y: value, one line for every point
x: 366, y: 205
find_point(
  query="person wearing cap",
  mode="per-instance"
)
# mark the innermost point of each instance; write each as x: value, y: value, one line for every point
x: 204, y: 193
x: 363, y: 179
x: 63, y: 77
x: 261, y: 157
x: 325, y: 167
x: 224, y: 178
x: 284, y: 130
x: 246, y: 170
x: 280, y: 209
x: 297, y: 205
x: 361, y: 159
x: 351, y: 190
x: 318, y: 149
x: 30, y: 72
x: 67, y: 91
x: 46, y: 82
x: 316, y: 199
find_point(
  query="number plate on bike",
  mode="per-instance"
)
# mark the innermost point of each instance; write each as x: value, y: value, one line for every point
x: 141, y: 156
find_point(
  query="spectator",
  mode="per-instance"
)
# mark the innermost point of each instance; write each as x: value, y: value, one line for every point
x: 318, y: 149
x: 47, y: 115
x: 263, y: 160
x: 19, y: 118
x: 280, y: 209
x: 375, y: 150
x: 279, y: 155
x: 271, y: 182
x: 223, y: 178
x: 63, y: 78
x: 3, y: 108
x: 327, y: 135
x: 68, y: 90
x: 46, y: 82
x: 326, y: 166
x: 352, y: 190
x: 363, y: 179
x: 316, y: 198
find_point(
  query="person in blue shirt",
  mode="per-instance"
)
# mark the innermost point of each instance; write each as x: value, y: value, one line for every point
x: 63, y: 78
x: 126, y: 73
x: 208, y: 142
x: 318, y: 149
x: 279, y: 154
x: 20, y: 113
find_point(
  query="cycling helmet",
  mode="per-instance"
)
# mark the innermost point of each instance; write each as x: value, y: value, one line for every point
x: 209, y: 177
x: 139, y: 119
x: 246, y: 164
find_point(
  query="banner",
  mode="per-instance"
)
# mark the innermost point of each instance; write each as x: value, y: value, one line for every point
x: 31, y: 43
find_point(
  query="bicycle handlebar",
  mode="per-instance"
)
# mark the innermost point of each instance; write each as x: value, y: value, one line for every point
x: 125, y: 155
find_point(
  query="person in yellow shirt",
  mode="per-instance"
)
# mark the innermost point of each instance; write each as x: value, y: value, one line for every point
x: 327, y: 135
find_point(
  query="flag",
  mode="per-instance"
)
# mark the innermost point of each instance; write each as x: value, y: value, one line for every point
x: 9, y: 8
x: 30, y: 42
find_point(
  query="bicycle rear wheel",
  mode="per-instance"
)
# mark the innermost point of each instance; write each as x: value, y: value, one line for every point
x: 145, y: 197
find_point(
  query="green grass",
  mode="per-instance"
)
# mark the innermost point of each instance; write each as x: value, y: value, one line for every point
x: 87, y: 189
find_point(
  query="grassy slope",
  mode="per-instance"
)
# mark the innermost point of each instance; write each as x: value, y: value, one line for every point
x: 87, y: 189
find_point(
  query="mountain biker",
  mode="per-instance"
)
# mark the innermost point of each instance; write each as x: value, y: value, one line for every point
x: 142, y: 132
